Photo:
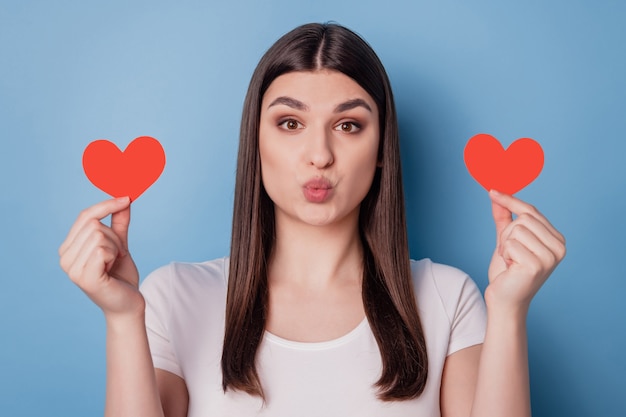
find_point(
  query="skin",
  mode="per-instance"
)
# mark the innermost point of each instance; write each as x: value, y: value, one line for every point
x: 96, y: 259
x: 315, y: 270
x: 327, y: 128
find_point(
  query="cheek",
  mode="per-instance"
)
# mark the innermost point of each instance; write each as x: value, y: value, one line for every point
x: 362, y: 166
x: 273, y: 162
x: 365, y: 171
x: 266, y: 153
x: 366, y: 160
x: 373, y: 163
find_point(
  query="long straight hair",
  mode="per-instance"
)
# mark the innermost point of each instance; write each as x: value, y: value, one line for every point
x: 387, y: 289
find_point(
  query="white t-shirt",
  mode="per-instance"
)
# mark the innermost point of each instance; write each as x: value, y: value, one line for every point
x: 185, y: 322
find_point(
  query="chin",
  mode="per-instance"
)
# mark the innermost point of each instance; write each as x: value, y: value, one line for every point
x: 318, y: 221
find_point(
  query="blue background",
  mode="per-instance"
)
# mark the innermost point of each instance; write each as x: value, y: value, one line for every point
x: 75, y: 71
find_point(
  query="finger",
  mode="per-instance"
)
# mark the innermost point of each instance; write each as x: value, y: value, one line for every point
x: 93, y: 234
x: 519, y: 207
x: 526, y: 225
x: 119, y: 224
x: 97, y: 211
x: 502, y: 217
x: 516, y: 253
x: 532, y: 243
x: 93, y: 231
x: 92, y: 261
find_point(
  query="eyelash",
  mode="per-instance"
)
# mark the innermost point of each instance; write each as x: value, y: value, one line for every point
x: 355, y: 126
x: 283, y: 124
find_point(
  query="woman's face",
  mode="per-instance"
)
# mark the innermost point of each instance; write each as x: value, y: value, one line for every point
x: 318, y: 142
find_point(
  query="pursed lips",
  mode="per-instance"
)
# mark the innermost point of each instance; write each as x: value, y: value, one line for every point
x: 317, y: 190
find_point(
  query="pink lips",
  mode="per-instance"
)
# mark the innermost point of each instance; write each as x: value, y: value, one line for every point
x: 317, y: 190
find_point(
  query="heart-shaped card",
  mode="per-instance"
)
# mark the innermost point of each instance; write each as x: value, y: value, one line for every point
x: 507, y: 171
x: 128, y: 173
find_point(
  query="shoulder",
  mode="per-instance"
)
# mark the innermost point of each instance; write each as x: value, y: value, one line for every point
x: 442, y: 287
x: 439, y: 277
x: 186, y: 279
x: 185, y: 313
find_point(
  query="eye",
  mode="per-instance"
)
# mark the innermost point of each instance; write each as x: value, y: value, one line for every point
x: 348, y: 127
x: 290, y: 124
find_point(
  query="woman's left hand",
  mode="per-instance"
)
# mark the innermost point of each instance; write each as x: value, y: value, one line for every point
x: 527, y: 251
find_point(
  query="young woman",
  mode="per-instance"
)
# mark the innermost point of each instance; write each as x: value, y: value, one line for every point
x: 318, y: 310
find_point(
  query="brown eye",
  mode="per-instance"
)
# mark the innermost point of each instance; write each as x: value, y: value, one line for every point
x: 348, y: 127
x: 290, y: 124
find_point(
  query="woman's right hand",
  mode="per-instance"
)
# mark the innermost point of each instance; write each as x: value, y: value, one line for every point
x: 96, y: 258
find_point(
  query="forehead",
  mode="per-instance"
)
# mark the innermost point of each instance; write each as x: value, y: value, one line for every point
x: 316, y: 88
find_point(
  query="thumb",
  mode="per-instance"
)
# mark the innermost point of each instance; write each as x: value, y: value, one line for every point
x: 502, y: 217
x: 119, y: 224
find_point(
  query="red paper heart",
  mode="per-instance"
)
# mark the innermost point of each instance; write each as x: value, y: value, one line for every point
x: 507, y: 171
x: 127, y: 173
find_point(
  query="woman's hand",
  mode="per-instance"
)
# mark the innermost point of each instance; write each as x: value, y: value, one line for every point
x: 96, y: 258
x: 527, y: 251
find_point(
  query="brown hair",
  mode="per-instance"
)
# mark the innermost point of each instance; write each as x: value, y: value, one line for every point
x: 388, y: 295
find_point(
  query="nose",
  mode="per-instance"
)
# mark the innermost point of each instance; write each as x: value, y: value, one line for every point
x: 319, y: 152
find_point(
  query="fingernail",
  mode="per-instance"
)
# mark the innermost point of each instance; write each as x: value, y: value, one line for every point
x: 123, y: 199
x: 494, y: 192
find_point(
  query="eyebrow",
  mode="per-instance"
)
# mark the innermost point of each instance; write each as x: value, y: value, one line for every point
x: 351, y: 104
x: 298, y: 105
x: 290, y: 102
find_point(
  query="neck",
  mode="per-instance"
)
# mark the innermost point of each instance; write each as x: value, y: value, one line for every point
x: 316, y: 256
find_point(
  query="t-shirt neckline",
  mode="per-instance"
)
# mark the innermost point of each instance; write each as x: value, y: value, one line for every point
x: 328, y: 344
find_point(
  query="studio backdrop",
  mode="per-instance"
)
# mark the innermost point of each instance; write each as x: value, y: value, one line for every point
x: 72, y: 72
